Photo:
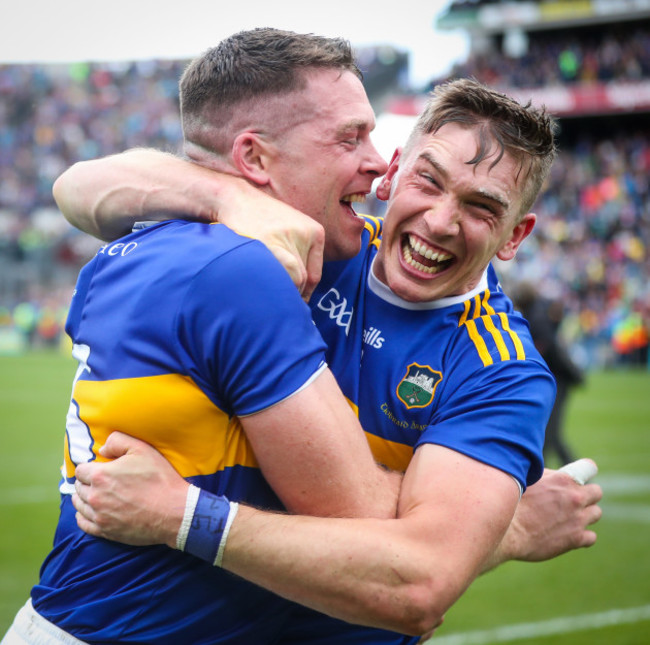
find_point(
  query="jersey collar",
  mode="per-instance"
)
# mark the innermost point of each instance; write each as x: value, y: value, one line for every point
x: 383, y: 291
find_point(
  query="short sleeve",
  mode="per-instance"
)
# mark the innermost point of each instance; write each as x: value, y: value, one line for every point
x: 248, y: 337
x: 497, y: 415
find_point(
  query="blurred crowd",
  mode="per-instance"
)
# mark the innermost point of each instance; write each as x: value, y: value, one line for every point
x: 50, y: 117
x: 557, y: 58
x: 590, y: 248
x: 589, y: 252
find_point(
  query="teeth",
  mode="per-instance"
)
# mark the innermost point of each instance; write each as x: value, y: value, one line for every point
x: 414, y: 263
x: 355, y: 197
x: 425, y: 251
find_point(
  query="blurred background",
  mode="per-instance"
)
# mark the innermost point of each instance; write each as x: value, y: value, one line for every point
x: 588, y: 61
x: 80, y: 79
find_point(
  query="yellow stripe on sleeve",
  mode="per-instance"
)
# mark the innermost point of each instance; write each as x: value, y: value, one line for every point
x: 373, y: 226
x: 477, y: 306
x: 519, y: 348
x: 463, y: 318
x: 489, y: 310
x: 478, y: 341
x: 498, y: 338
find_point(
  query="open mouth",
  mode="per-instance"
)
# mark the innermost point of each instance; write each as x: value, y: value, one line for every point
x: 424, y: 257
x: 348, y: 200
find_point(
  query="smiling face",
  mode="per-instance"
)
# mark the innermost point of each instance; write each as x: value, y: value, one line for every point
x: 326, y: 160
x: 446, y: 218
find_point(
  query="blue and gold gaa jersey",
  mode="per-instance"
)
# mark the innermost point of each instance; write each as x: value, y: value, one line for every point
x: 177, y: 328
x: 461, y: 372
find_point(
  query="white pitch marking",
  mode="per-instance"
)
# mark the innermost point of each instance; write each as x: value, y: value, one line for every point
x: 621, y: 512
x: 550, y: 627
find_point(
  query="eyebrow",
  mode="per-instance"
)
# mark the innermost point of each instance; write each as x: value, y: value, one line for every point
x: 486, y: 194
x: 355, y: 124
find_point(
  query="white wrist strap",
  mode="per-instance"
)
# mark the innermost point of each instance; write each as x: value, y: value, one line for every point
x: 191, y: 502
x: 234, y: 507
x: 190, y: 506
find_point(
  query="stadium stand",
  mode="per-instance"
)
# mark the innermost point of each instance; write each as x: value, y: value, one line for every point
x: 588, y: 61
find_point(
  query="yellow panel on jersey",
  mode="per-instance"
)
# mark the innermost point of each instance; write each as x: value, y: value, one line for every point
x: 392, y: 454
x: 395, y: 456
x: 168, y: 411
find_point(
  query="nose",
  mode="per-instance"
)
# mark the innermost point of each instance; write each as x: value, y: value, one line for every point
x: 373, y: 163
x: 443, y: 218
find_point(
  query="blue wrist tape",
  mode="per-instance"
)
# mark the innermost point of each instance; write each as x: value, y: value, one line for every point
x: 209, y: 526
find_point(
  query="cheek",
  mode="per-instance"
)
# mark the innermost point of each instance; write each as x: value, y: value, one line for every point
x: 479, y: 243
x: 391, y: 234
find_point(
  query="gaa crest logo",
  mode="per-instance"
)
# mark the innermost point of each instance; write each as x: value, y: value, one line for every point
x: 417, y: 387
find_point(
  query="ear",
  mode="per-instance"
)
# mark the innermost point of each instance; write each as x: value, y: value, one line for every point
x: 386, y: 182
x: 251, y: 156
x: 520, y: 232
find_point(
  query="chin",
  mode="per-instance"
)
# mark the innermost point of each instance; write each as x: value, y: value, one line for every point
x: 345, y: 251
x: 404, y: 288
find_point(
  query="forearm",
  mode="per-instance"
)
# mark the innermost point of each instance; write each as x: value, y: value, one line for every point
x: 364, y: 571
x: 400, y: 574
x: 105, y: 197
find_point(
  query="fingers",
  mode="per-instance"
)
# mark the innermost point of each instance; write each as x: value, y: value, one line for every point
x: 593, y: 513
x: 81, y: 493
x: 83, y: 472
x: 588, y: 539
x: 293, y: 264
x: 314, y: 264
x: 590, y: 514
x: 86, y: 472
x: 302, y: 257
x: 593, y: 493
x: 81, y: 501
x: 87, y: 526
x: 581, y: 471
x: 85, y: 514
x: 119, y: 444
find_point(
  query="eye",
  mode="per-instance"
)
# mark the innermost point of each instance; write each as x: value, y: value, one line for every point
x: 483, y: 210
x: 483, y: 207
x: 430, y: 180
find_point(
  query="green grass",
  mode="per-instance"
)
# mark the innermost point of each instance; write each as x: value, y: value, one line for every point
x: 608, y: 420
x: 34, y: 395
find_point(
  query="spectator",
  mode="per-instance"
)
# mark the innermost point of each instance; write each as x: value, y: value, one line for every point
x: 544, y: 318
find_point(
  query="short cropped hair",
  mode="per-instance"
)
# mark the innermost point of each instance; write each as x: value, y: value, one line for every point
x: 253, y: 66
x: 525, y: 132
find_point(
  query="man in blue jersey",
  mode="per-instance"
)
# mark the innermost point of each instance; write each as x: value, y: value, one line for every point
x: 468, y: 368
x: 224, y: 396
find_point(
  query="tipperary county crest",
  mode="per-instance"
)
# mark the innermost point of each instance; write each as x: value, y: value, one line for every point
x: 417, y: 387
